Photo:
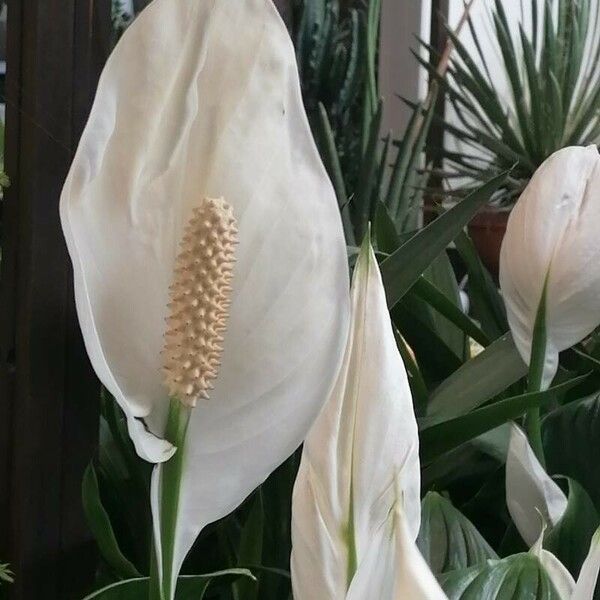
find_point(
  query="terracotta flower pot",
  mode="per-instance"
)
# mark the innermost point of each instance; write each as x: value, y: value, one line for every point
x: 487, y: 231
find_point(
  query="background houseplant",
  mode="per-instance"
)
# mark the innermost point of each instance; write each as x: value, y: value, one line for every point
x: 537, y: 93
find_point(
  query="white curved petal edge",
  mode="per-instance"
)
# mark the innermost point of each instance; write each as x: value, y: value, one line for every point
x: 559, y: 575
x: 553, y: 231
x: 202, y: 99
x: 588, y: 576
x: 533, y: 498
x: 394, y: 569
x: 363, y: 445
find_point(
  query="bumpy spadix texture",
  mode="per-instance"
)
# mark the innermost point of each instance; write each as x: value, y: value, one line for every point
x: 552, y: 234
x: 200, y: 301
x: 360, y: 466
x: 201, y: 99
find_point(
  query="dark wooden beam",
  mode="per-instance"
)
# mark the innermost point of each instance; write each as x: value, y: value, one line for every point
x: 285, y: 8
x: 49, y: 395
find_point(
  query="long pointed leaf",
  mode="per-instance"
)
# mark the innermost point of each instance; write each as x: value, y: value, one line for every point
x: 402, y: 269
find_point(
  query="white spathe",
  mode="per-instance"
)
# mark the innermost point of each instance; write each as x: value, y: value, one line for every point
x: 567, y: 588
x: 532, y: 496
x: 559, y: 575
x: 202, y: 99
x: 588, y: 576
x: 536, y: 502
x: 360, y: 458
x: 552, y: 234
x: 393, y: 568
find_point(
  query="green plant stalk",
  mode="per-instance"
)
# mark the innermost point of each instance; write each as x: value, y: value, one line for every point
x: 351, y: 541
x: 169, y: 490
x: 536, y: 373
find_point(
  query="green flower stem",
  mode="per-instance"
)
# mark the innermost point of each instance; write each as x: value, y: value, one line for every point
x: 351, y: 541
x: 154, y: 584
x: 170, y: 486
x: 536, y: 373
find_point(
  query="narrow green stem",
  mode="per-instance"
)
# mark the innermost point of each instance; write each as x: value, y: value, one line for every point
x: 533, y: 424
x: 351, y: 541
x: 534, y: 433
x: 169, y: 490
x: 154, y: 591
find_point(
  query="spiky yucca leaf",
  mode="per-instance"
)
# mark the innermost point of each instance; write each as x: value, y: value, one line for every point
x: 552, y: 69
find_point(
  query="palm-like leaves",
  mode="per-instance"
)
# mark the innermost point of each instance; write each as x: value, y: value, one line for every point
x: 335, y: 49
x: 552, y: 69
x: 6, y: 575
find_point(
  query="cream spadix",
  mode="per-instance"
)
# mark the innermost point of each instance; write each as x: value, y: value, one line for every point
x: 202, y: 100
x: 200, y: 301
x: 552, y: 240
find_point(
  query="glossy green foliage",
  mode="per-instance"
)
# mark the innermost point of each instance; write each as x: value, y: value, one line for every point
x: 447, y: 539
x: 519, y: 577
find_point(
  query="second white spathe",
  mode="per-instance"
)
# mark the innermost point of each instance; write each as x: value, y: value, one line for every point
x: 533, y: 498
x: 552, y: 239
x: 360, y: 467
x: 536, y: 504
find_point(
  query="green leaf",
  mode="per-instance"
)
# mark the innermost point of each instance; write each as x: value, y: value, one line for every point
x: 518, y: 577
x: 447, y: 539
x: 401, y: 270
x: 101, y: 526
x: 124, y: 483
x: 192, y: 587
x: 435, y: 358
x: 401, y: 164
x: 334, y: 168
x: 418, y: 386
x: 499, y: 366
x: 569, y: 540
x: 455, y: 320
x: 571, y: 436
x: 250, y: 549
x: 6, y: 575
x: 536, y: 379
x: 442, y: 437
x: 441, y: 274
x: 366, y: 193
x: 487, y: 305
x: 385, y: 232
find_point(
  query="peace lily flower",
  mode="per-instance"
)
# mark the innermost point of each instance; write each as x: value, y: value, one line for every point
x: 552, y: 246
x: 356, y: 506
x: 209, y: 260
x: 535, y: 501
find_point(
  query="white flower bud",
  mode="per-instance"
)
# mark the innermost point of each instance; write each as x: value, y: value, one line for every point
x: 553, y: 238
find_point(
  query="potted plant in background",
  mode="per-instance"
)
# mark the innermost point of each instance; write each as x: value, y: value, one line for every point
x: 551, y: 69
